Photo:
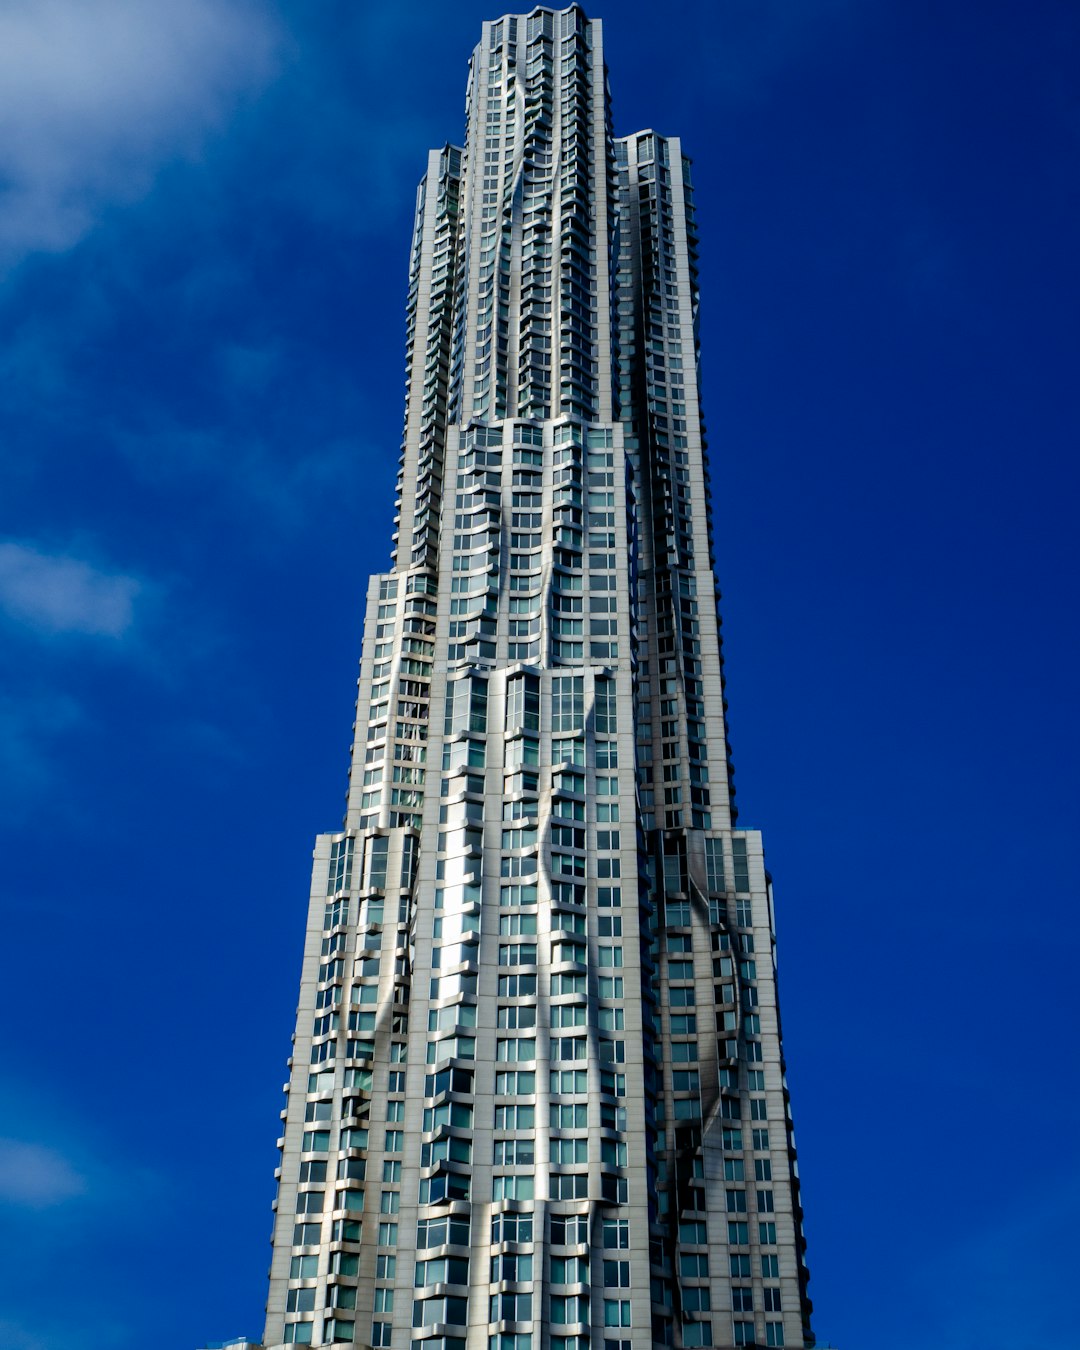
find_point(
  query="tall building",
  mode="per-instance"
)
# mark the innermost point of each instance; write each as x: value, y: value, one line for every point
x: 537, y: 1098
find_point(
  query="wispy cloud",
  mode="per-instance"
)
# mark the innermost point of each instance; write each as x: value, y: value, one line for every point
x: 94, y: 99
x: 49, y: 1329
x: 19, y: 1337
x: 53, y: 593
x: 31, y: 725
x: 35, y: 1176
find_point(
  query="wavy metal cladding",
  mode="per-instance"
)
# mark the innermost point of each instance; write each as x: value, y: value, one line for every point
x: 537, y: 1094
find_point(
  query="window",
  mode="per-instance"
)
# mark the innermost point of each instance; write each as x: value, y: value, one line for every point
x: 616, y: 1312
x: 448, y: 1148
x: 522, y: 1340
x: 517, y: 986
x: 514, y: 1152
x: 572, y: 1117
x: 517, y: 954
x: 606, y: 716
x: 516, y: 1048
x: 740, y: 864
x: 443, y: 1186
x: 511, y: 1187
x: 523, y: 751
x: 449, y: 1113
x: 511, y: 1228
x: 429, y: 1311
x: 617, y: 1234
x: 522, y: 704
x: 377, y: 848
x: 340, y: 872
x: 466, y: 706
x: 697, y: 1333
x: 616, y: 1274
x: 566, y: 1309
x: 510, y: 1308
x: 518, y: 925
x: 613, y: 1153
x: 568, y: 1230
x: 345, y: 1230
x: 567, y: 703
x: 511, y: 1268
x: 445, y: 1080
x: 438, y: 1232
x: 515, y: 1082
x: 714, y: 864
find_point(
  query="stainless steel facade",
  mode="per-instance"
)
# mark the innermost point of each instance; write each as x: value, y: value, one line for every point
x: 537, y: 1096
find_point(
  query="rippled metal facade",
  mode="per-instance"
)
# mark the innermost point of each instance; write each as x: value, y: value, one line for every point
x: 537, y: 1095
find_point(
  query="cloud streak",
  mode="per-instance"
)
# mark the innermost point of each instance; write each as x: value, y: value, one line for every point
x: 55, y: 594
x: 36, y: 1177
x: 94, y: 99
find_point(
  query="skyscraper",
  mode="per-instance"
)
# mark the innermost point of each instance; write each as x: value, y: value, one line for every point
x: 537, y: 1095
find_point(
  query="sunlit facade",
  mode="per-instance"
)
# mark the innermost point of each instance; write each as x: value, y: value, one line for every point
x: 537, y: 1096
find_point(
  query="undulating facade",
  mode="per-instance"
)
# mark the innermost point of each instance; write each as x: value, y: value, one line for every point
x: 537, y: 1096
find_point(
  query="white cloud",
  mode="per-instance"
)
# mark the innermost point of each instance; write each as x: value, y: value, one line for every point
x: 57, y: 594
x: 36, y: 1176
x: 16, y: 1336
x: 95, y: 98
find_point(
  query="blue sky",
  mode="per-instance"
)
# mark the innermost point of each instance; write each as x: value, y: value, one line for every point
x: 204, y: 225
